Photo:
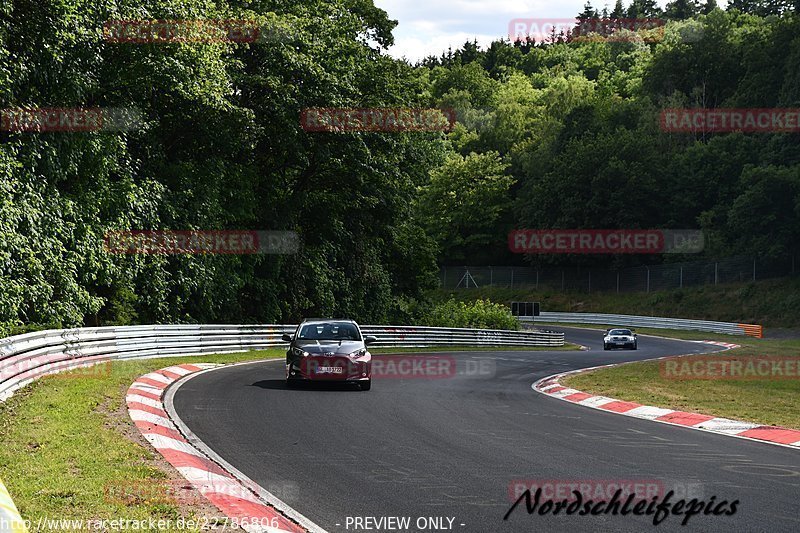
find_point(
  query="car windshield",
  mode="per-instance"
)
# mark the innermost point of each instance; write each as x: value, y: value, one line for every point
x: 619, y: 332
x: 330, y: 331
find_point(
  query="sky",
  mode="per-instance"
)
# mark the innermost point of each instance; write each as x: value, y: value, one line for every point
x: 430, y: 27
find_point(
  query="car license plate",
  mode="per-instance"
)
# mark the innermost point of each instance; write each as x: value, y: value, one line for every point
x: 330, y: 370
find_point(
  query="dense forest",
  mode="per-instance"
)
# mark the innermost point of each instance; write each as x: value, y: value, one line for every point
x: 562, y: 133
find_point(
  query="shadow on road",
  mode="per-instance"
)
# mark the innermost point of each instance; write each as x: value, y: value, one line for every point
x: 280, y: 384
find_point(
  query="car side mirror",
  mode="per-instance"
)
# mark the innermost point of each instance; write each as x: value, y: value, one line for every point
x: 286, y: 337
x: 370, y: 339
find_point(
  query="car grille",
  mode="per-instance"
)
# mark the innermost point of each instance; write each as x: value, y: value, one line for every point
x: 310, y: 366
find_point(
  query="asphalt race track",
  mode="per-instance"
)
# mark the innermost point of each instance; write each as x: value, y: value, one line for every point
x: 452, y: 447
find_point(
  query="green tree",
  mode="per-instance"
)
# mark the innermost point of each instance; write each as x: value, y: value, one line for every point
x: 765, y: 217
x: 222, y: 149
x: 640, y: 9
x: 763, y: 8
x: 469, y: 52
x: 465, y: 200
x: 709, y: 6
x: 619, y: 11
x: 681, y: 9
x: 471, y: 78
x: 589, y: 12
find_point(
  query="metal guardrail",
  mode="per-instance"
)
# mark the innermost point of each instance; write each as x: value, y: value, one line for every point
x: 416, y: 336
x: 24, y: 358
x: 650, y: 322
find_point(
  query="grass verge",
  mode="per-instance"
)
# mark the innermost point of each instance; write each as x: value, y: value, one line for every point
x: 66, y: 441
x: 769, y: 402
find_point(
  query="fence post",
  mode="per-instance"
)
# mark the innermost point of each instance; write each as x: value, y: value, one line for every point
x: 754, y: 269
x: 512, y: 277
x: 648, y: 279
x: 590, y: 281
x: 681, y: 277
x: 444, y: 281
x: 491, y: 277
x: 617, y: 280
x: 716, y: 273
x: 562, y: 280
x: 537, y: 279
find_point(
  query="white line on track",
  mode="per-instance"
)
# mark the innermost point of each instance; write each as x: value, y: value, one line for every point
x: 263, y: 493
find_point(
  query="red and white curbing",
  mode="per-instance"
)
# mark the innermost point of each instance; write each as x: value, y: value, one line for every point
x: 550, y: 386
x: 241, y: 505
x: 723, y: 344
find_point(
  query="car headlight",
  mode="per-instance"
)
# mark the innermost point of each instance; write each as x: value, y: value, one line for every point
x: 359, y: 353
x: 300, y: 353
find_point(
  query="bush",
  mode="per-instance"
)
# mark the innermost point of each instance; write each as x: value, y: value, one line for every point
x: 480, y: 314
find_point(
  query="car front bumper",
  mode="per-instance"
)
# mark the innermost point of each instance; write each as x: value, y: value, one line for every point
x: 329, y: 369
